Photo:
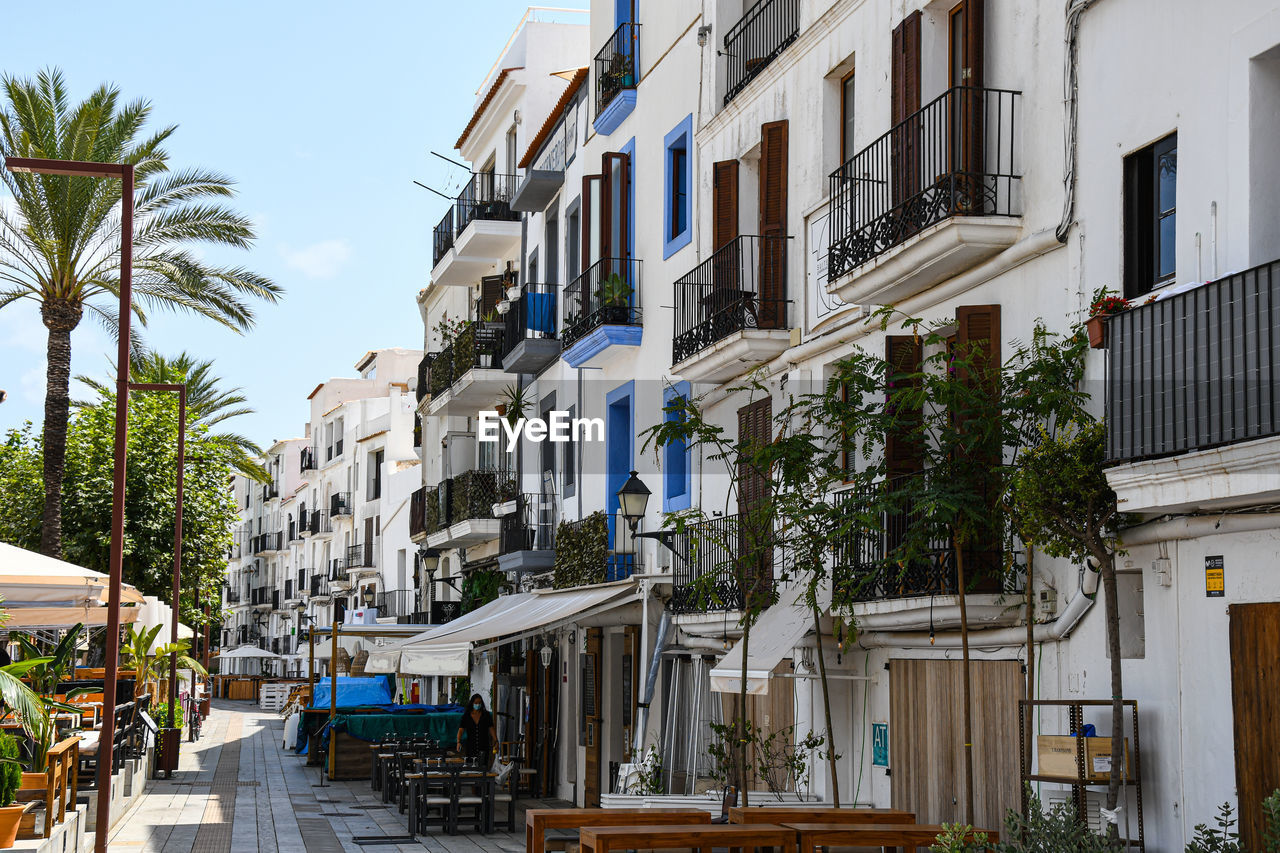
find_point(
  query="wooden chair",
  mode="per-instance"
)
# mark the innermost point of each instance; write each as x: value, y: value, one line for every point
x: 61, y: 782
x: 730, y: 800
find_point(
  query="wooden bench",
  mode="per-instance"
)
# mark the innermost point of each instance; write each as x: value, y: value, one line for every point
x: 605, y: 839
x: 888, y: 836
x: 61, y: 778
x: 538, y: 821
x: 786, y: 815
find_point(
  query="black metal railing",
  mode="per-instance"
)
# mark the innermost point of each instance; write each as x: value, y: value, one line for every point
x: 532, y: 527
x: 271, y: 542
x: 953, y: 157
x: 302, y: 580
x: 397, y: 603
x: 486, y: 196
x: 418, y: 512
x: 261, y: 595
x: 475, y: 492
x: 320, y: 585
x: 442, y: 236
x: 757, y: 39
x: 606, y: 294
x: 288, y: 589
x: 318, y: 522
x: 340, y: 504
x: 360, y: 556
x: 616, y: 65
x: 713, y: 563
x: 478, y: 345
x: 531, y: 316
x: 275, y: 599
x: 233, y: 596
x: 270, y: 491
x: 293, y: 531
x: 438, y: 507
x: 1196, y: 370
x: 869, y: 562
x: 338, y: 570
x: 742, y: 286
x: 307, y: 459
x: 420, y: 390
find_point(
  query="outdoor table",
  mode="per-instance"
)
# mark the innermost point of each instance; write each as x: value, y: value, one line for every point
x: 452, y: 777
x: 605, y: 839
x: 829, y: 814
x: 889, y: 836
x: 538, y: 821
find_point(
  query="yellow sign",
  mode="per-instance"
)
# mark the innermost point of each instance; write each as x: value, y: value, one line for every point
x: 1214, y: 577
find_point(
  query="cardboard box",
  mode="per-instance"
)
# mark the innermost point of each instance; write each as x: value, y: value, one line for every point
x: 1056, y: 756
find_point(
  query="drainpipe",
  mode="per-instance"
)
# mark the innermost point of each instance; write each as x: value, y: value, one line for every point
x: 650, y: 682
x: 1196, y: 526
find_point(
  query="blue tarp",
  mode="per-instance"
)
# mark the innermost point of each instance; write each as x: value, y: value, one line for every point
x: 541, y: 312
x: 355, y: 692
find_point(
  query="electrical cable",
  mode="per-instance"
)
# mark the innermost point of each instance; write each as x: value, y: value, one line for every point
x: 1075, y: 10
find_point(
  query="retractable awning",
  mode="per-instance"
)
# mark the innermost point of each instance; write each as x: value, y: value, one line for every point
x: 28, y: 579
x: 444, y: 650
x: 773, y: 636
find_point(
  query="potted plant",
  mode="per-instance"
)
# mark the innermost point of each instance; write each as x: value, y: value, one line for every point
x: 615, y: 296
x: 10, y: 780
x: 1103, y: 306
x: 169, y: 740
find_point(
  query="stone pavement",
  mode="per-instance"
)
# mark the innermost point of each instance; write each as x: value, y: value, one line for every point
x: 238, y: 790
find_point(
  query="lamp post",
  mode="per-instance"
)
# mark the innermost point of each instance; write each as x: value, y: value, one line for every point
x: 633, y: 499
x: 123, y: 171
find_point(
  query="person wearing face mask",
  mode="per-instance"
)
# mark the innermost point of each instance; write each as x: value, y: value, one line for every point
x: 477, y: 733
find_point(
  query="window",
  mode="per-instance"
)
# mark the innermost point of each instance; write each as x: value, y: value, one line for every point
x: 570, y: 459
x: 676, y: 232
x: 572, y: 244
x: 846, y: 118
x: 551, y: 244
x: 375, y: 474
x: 1150, y: 216
x: 677, y: 470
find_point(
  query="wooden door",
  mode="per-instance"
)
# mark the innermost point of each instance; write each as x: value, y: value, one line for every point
x: 926, y: 748
x: 491, y: 293
x: 905, y: 103
x: 368, y: 541
x: 1255, y: 702
x: 592, y: 717
x: 966, y: 50
x: 615, y: 205
x: 773, y: 225
x: 726, y: 269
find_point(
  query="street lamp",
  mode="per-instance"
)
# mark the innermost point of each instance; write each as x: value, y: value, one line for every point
x: 633, y: 498
x: 123, y: 171
x: 367, y: 596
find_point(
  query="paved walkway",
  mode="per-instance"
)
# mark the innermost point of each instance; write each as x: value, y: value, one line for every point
x: 238, y: 790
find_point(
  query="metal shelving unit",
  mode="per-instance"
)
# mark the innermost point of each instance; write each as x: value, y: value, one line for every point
x: 1080, y: 783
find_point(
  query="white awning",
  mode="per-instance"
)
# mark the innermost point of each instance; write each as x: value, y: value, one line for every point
x: 247, y: 652
x: 778, y: 630
x: 31, y: 618
x: 444, y: 650
x: 28, y: 579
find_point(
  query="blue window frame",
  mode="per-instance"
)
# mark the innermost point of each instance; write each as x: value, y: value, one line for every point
x: 676, y: 229
x: 677, y: 458
x: 619, y: 454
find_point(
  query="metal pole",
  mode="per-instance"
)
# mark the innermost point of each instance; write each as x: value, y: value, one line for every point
x: 106, y: 755
x: 177, y: 558
x: 333, y: 697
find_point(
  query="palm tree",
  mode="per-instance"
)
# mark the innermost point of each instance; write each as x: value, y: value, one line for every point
x: 60, y: 247
x: 207, y: 403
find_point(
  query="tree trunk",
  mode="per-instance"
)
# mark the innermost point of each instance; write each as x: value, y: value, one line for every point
x: 968, y: 704
x: 1108, y: 566
x: 826, y: 708
x: 740, y: 728
x: 1029, y: 732
x: 60, y: 318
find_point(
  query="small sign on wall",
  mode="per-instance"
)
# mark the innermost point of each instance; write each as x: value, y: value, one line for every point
x: 1214, y: 577
x: 879, y: 744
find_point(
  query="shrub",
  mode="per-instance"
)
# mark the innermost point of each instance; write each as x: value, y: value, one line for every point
x: 1058, y: 830
x: 10, y: 769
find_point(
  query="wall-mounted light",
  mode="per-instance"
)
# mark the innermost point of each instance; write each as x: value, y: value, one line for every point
x: 544, y: 655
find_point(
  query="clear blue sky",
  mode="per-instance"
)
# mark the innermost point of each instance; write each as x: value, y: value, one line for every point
x: 324, y: 112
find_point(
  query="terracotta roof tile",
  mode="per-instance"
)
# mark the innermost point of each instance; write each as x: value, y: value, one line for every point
x: 484, y: 104
x: 579, y: 77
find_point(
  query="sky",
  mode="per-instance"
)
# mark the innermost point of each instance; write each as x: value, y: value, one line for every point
x: 324, y: 113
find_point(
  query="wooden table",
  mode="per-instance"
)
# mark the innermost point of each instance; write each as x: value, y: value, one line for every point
x: 604, y: 839
x: 787, y: 815
x: 890, y: 836
x: 538, y: 821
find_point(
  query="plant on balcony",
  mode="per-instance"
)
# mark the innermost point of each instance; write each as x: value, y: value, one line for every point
x: 582, y: 551
x: 614, y: 295
x: 480, y: 587
x: 1103, y: 306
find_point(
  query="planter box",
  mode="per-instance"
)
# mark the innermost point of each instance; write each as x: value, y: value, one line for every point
x: 167, y: 753
x: 1056, y: 756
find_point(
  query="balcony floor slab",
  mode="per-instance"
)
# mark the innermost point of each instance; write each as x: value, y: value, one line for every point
x: 734, y: 355
x: 478, y: 388
x: 592, y: 349
x: 1242, y: 474
x: 472, y: 531
x: 942, y: 612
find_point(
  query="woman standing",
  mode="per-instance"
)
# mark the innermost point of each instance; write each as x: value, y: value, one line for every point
x: 477, y: 726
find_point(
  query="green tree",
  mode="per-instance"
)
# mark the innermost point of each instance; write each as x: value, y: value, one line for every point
x: 60, y: 248
x: 21, y: 486
x: 207, y: 402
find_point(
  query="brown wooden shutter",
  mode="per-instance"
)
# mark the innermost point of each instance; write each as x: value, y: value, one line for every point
x: 755, y: 428
x: 905, y: 101
x: 724, y: 203
x: 902, y: 451
x: 491, y: 287
x: 974, y: 46
x: 978, y: 338
x: 616, y: 168
x: 771, y: 312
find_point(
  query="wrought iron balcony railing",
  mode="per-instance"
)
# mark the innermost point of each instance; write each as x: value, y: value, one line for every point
x: 340, y: 504
x: 418, y: 511
x: 606, y: 294
x: 715, y: 561
x: 531, y: 316
x: 478, y: 345
x: 318, y: 522
x: 442, y: 236
x: 532, y: 527
x: 360, y: 556
x: 1195, y: 370
x: 397, y: 603
x: 233, y: 596
x: 742, y: 286
x: 757, y: 39
x: 617, y: 65
x: 307, y: 459
x: 420, y: 390
x: 270, y: 492
x: 953, y: 157
x: 486, y: 196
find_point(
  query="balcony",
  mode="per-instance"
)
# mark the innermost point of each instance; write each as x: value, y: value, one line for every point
x: 318, y: 523
x: 401, y: 605
x: 271, y: 543
x: 233, y: 596
x: 936, y: 195
x: 543, y: 179
x: 617, y: 74
x: 1192, y: 403
x: 467, y: 374
x: 340, y: 504
x: 295, y: 532
x: 339, y: 582
x: 583, y: 555
x: 307, y: 459
x: 320, y: 586
x: 418, y: 515
x: 527, y: 537
x: 360, y: 556
x: 530, y: 342
x: 887, y: 593
x: 732, y: 311
x: 758, y: 38
x: 602, y: 311
x: 262, y: 598
x: 462, y: 512
x: 288, y: 590
x: 421, y: 389
x: 480, y: 232
x: 270, y: 492
x: 711, y: 565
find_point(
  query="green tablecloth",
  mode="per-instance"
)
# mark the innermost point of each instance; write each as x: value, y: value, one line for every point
x: 441, y: 726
